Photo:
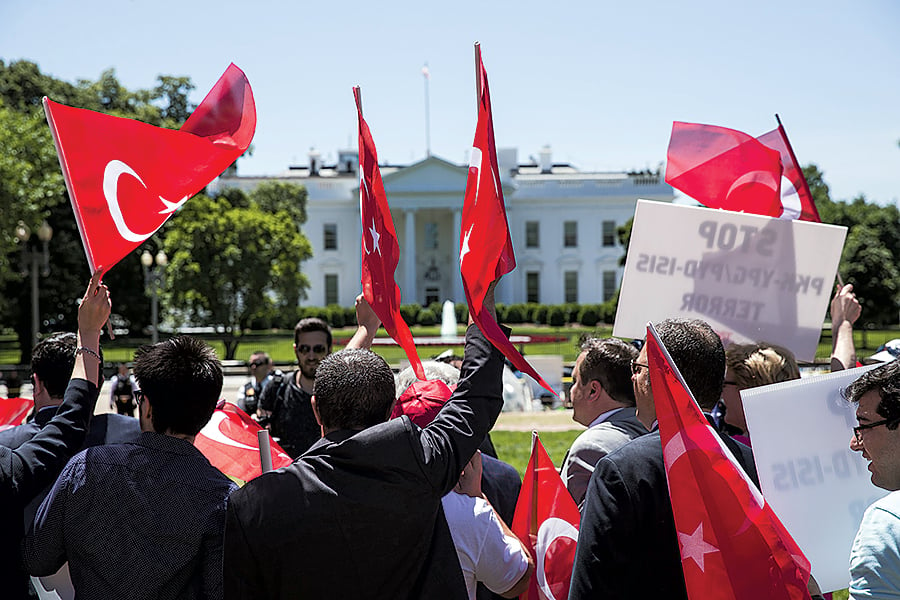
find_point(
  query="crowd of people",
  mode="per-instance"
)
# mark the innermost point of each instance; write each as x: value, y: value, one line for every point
x: 395, y: 490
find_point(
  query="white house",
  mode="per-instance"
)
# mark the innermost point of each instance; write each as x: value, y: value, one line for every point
x: 562, y: 223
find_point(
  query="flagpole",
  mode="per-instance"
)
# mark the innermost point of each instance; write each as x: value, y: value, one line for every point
x: 477, y: 73
x: 533, y: 530
x: 357, y: 95
x: 265, y: 450
x: 427, y: 75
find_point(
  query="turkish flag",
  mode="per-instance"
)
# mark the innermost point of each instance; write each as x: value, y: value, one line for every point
x: 733, y: 546
x: 126, y: 178
x: 229, y: 441
x: 724, y: 168
x: 380, y: 250
x: 13, y: 411
x: 485, y: 248
x: 547, y: 521
x: 796, y: 197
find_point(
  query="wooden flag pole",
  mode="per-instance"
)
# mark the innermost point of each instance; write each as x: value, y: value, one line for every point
x: 478, y: 73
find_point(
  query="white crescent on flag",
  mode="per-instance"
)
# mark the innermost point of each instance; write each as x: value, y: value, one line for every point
x: 550, y: 530
x: 213, y: 432
x: 115, y: 169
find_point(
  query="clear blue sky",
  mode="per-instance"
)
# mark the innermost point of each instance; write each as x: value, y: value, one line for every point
x: 601, y: 82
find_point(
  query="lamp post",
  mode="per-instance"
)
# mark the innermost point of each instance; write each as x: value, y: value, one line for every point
x: 35, y: 258
x: 153, y: 280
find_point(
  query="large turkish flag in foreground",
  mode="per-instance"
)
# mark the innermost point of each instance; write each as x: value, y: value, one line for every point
x: 380, y: 250
x: 126, y: 178
x: 485, y: 248
x: 229, y: 441
x: 733, y: 546
x: 547, y: 521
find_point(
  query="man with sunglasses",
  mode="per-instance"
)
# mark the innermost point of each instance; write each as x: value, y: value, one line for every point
x: 875, y: 555
x: 284, y: 406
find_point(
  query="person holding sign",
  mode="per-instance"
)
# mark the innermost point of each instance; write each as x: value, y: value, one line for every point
x: 875, y: 555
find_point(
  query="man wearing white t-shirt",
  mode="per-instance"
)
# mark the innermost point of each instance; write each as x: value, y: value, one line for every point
x: 875, y: 555
x: 488, y: 551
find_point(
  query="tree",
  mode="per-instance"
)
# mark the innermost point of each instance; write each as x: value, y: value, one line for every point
x: 871, y: 252
x: 32, y: 189
x: 230, y: 264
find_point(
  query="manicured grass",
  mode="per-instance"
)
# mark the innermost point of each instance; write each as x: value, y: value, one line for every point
x: 514, y: 447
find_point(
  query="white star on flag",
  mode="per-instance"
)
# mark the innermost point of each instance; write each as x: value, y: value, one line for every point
x: 693, y: 546
x: 375, y: 237
x: 465, y: 245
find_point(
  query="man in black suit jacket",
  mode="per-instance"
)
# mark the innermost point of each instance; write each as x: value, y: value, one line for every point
x: 359, y: 514
x: 627, y: 544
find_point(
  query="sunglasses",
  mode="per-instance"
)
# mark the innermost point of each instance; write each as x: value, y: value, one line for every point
x: 317, y: 349
x: 258, y: 363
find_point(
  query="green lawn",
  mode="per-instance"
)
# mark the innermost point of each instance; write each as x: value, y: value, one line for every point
x: 514, y: 447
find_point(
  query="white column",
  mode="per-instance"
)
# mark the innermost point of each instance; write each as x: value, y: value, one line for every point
x: 409, y: 262
x: 458, y: 294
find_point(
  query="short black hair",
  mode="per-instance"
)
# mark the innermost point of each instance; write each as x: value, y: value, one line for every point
x: 699, y: 355
x: 608, y: 361
x: 354, y: 390
x: 886, y: 381
x: 182, y: 379
x: 312, y: 324
x: 53, y: 360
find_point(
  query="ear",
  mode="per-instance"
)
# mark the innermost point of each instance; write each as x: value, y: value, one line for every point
x: 38, y: 384
x: 596, y: 390
x: 315, y: 407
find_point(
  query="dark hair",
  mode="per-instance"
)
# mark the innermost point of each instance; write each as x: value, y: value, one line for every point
x: 354, y: 390
x: 182, y: 379
x: 53, y: 360
x: 608, y: 361
x: 886, y: 381
x: 698, y: 354
x: 312, y: 324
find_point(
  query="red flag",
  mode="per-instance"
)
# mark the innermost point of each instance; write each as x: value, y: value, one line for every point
x: 732, y: 544
x: 126, y: 178
x: 547, y: 521
x: 229, y: 440
x: 485, y: 248
x: 380, y: 250
x: 13, y: 411
x: 724, y: 168
x: 797, y: 200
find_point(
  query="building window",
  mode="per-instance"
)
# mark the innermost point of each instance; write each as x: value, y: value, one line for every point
x: 609, y: 233
x: 532, y: 286
x: 609, y: 284
x: 570, y: 234
x: 432, y: 295
x: 431, y: 236
x: 532, y: 234
x: 330, y: 231
x: 331, y: 289
x: 571, y: 285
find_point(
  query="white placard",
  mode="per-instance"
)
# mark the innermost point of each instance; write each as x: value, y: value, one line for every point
x: 751, y: 278
x: 817, y: 486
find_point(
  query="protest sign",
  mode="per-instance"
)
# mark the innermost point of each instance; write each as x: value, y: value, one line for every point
x: 817, y: 486
x: 752, y: 278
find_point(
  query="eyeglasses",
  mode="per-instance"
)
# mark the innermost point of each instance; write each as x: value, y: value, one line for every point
x: 636, y: 367
x: 858, y: 430
x: 317, y: 349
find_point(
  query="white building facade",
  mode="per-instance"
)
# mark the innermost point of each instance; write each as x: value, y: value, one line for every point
x: 562, y: 223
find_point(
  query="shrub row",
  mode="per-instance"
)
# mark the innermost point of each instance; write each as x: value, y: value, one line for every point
x: 555, y: 315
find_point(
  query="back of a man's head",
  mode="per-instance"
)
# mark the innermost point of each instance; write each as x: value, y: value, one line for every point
x: 312, y: 324
x: 886, y: 381
x: 354, y: 390
x: 698, y: 354
x: 754, y: 365
x: 53, y: 360
x: 182, y: 379
x: 608, y: 361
